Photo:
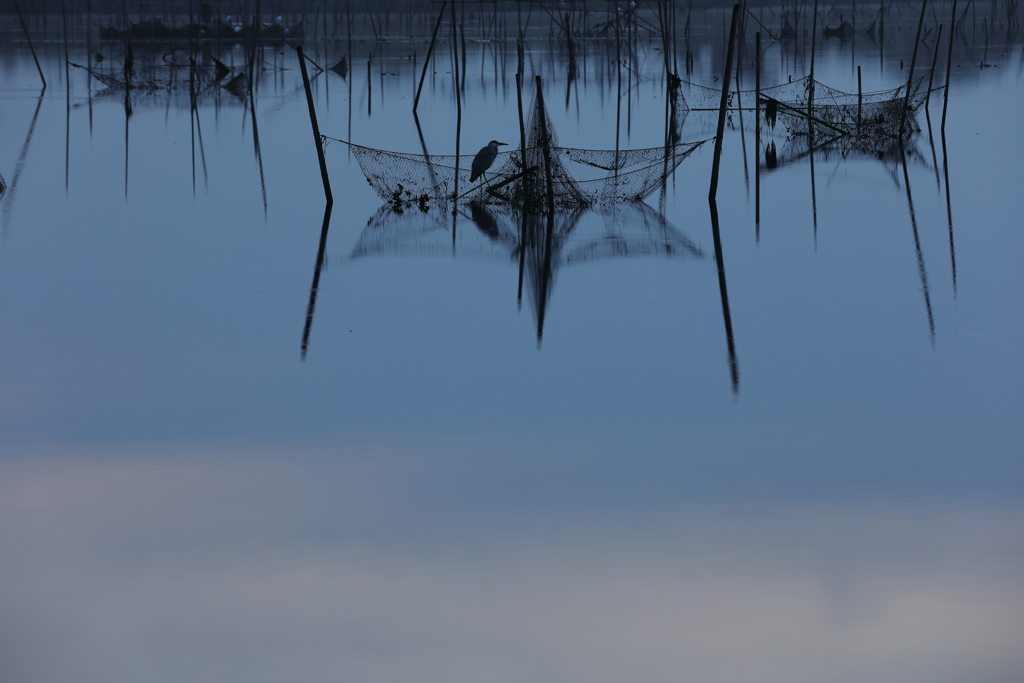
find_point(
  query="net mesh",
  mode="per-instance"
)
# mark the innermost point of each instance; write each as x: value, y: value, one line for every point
x: 805, y: 104
x: 888, y: 152
x: 579, y: 177
x: 168, y: 77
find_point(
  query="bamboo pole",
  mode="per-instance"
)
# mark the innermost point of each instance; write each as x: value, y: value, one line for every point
x: 430, y: 51
x: 458, y: 107
x: 860, y: 98
x: 757, y: 129
x: 316, y: 128
x: 935, y: 58
x: 31, y: 47
x: 910, y: 79
x: 949, y: 66
x: 725, y: 100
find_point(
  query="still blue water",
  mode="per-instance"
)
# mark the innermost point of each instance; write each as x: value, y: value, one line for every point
x: 431, y: 491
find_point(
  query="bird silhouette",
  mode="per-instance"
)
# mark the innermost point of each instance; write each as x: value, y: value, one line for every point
x: 484, y: 158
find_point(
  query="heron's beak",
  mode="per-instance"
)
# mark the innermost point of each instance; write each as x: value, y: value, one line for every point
x: 502, y: 143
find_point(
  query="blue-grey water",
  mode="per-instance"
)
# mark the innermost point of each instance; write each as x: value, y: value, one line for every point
x: 204, y: 476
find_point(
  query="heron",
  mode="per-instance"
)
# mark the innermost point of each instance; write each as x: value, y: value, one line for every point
x: 484, y: 158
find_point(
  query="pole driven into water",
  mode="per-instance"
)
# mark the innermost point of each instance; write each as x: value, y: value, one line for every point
x: 910, y: 79
x: 949, y: 67
x: 860, y: 98
x: 725, y: 101
x: 430, y: 51
x: 931, y: 75
x: 458, y: 108
x: 316, y: 128
x: 757, y: 130
x: 24, y: 27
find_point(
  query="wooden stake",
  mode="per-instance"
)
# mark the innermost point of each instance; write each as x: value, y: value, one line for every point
x: 725, y: 100
x: 757, y: 123
x: 430, y: 51
x: 24, y: 27
x: 910, y: 79
x: 935, y: 57
x: 316, y: 128
x: 949, y: 67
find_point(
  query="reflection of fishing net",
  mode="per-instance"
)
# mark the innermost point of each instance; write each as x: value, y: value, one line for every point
x: 805, y: 102
x: 579, y: 177
x: 494, y: 232
x: 842, y: 148
x: 541, y: 242
x: 3, y: 187
x: 168, y: 77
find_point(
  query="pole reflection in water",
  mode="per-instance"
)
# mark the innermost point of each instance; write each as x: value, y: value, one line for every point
x: 256, y: 148
x: 315, y: 286
x: 734, y: 369
x: 20, y: 165
x: 922, y: 271
x: 949, y: 207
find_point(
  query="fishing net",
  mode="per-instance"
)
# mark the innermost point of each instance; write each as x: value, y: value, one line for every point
x: 169, y: 77
x: 578, y: 177
x: 805, y: 104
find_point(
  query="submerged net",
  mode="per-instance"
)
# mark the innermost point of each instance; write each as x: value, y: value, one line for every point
x: 805, y: 104
x: 578, y: 177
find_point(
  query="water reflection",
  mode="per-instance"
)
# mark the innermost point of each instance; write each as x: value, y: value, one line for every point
x: 259, y: 563
x: 20, y: 165
x: 181, y: 499
x: 838, y: 149
x: 723, y: 290
x: 540, y: 242
x: 314, y: 288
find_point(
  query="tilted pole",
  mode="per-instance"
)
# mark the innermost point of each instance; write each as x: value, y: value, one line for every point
x: 725, y: 100
x: 316, y: 128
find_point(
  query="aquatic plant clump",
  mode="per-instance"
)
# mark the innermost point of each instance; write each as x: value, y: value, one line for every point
x: 578, y: 177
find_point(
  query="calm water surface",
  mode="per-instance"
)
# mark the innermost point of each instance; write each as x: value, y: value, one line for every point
x: 431, y: 489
